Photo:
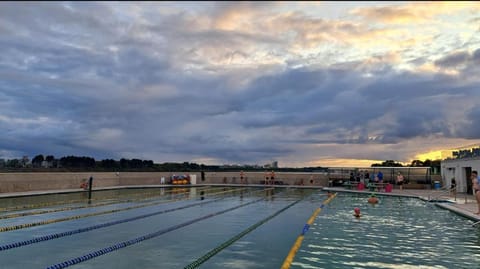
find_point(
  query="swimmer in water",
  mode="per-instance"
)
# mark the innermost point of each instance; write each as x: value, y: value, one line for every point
x: 373, y: 199
x: 329, y: 194
x: 356, y: 212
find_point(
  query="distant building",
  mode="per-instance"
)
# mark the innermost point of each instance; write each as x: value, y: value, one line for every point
x: 47, y: 164
x: 272, y: 165
x: 459, y: 164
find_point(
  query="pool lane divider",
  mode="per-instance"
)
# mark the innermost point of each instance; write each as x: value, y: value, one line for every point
x: 30, y: 213
x: 90, y: 228
x: 124, y: 244
x: 24, y: 207
x: 227, y: 243
x: 47, y: 211
x: 45, y: 222
x: 293, y: 251
x: 98, y: 226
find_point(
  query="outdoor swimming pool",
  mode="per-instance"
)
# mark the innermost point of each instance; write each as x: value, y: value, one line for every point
x: 224, y: 227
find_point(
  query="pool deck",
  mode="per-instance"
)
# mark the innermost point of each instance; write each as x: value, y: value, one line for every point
x: 464, y: 204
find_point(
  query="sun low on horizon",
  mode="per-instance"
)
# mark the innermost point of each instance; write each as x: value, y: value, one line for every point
x: 432, y: 155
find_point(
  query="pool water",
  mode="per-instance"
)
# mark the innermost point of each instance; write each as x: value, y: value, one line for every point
x: 186, y: 224
x: 396, y: 233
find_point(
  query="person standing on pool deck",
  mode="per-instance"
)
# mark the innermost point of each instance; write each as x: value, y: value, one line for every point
x: 367, y: 177
x: 400, y: 179
x: 380, y: 176
x: 453, y: 186
x: 476, y: 188
x: 272, y: 178
x: 380, y: 179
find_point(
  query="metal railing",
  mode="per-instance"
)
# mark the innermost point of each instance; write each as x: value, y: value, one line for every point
x: 442, y: 192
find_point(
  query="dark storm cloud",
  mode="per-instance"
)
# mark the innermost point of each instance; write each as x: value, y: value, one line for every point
x: 459, y: 59
x: 476, y: 55
x: 323, y: 103
x: 453, y: 59
x: 472, y: 128
x: 83, y: 79
x: 302, y: 97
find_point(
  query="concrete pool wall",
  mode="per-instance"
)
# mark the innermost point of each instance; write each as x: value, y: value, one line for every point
x: 38, y: 181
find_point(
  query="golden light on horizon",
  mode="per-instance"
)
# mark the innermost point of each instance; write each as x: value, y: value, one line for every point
x: 433, y: 155
x: 345, y: 162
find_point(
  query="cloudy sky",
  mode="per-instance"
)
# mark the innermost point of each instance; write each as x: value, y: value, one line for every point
x: 303, y: 83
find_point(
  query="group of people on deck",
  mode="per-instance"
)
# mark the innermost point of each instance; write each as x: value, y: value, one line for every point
x: 365, y: 177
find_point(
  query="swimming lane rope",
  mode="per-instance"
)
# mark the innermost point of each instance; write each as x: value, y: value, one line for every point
x: 289, y: 259
x: 143, y: 195
x: 98, y: 226
x: 124, y: 244
x: 46, y: 211
x: 33, y: 224
x: 90, y: 228
x: 227, y: 243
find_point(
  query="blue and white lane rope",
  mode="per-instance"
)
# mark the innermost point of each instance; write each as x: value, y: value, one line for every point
x: 124, y: 244
x: 98, y: 226
x: 227, y: 243
x: 51, y: 221
x: 144, y: 197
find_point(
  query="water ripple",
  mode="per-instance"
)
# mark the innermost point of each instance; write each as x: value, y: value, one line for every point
x: 396, y: 233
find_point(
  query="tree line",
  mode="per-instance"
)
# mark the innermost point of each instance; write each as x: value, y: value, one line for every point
x: 75, y: 162
x: 414, y: 163
x: 84, y: 163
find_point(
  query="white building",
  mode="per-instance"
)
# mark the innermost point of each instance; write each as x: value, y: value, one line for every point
x: 460, y: 166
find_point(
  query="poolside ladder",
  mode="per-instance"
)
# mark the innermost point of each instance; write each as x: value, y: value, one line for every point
x: 440, y: 193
